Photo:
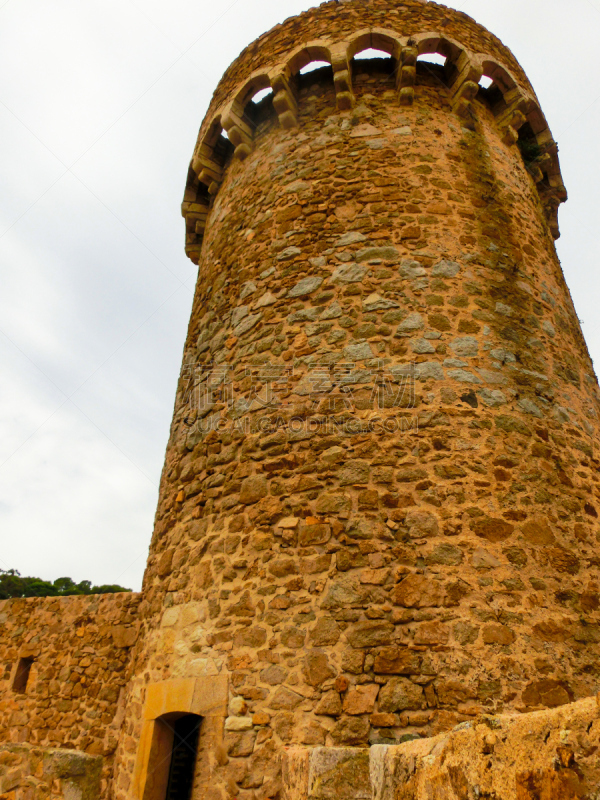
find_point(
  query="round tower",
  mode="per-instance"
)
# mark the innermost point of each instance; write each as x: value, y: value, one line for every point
x: 378, y: 515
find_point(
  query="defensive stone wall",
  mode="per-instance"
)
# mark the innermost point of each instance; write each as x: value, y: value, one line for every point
x: 545, y: 755
x: 64, y: 664
x: 44, y: 773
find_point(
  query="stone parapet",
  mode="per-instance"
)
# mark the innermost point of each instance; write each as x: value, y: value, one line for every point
x: 44, y: 773
x: 545, y: 755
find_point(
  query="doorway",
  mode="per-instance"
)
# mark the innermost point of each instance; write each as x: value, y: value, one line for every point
x: 186, y: 733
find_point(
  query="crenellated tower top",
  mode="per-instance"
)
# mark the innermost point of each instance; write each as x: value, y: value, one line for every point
x: 334, y: 33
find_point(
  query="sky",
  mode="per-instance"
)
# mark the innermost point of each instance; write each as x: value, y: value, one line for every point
x: 100, y: 105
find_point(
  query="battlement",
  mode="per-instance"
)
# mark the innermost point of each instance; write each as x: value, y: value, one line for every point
x: 230, y: 127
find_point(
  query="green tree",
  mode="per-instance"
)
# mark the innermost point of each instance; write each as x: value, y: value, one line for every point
x: 13, y: 584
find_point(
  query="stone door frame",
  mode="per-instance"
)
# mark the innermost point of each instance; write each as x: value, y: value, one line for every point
x: 166, y: 700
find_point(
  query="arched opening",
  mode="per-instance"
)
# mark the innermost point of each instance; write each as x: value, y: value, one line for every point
x: 201, y: 193
x: 531, y: 152
x: 437, y: 59
x: 432, y: 70
x: 369, y: 53
x: 204, y: 178
x: 494, y: 84
x: 432, y: 58
x: 222, y: 149
x: 308, y: 58
x: 374, y: 57
x: 371, y: 65
x: 255, y: 102
x: 490, y: 94
x: 173, y: 756
x: 321, y: 72
x: 259, y: 108
x: 313, y: 82
x: 311, y: 75
x: 214, y: 153
x: 314, y: 65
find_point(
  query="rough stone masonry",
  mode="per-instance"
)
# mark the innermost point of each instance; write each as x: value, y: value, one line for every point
x: 378, y: 514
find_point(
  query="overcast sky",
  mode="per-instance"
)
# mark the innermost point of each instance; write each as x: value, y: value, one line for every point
x: 100, y: 104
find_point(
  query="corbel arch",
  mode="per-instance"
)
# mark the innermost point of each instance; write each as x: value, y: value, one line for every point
x: 429, y: 43
x: 205, y: 175
x: 521, y: 121
x: 509, y: 104
x: 288, y: 78
x: 211, y: 156
x: 305, y: 54
x: 461, y: 73
x: 235, y: 119
x: 498, y: 73
x: 382, y: 39
x: 377, y: 39
x: 195, y: 209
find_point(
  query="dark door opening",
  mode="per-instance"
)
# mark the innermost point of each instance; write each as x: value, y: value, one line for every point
x: 186, y: 731
x: 22, y: 675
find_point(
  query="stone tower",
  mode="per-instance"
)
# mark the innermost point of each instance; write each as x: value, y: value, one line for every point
x: 378, y: 512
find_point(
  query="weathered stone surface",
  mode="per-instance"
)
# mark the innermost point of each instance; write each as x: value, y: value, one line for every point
x: 317, y: 668
x: 351, y: 731
x: 339, y: 773
x: 316, y: 533
x: 370, y: 253
x: 355, y: 471
x: 400, y: 694
x: 246, y: 324
x: 80, y: 650
x: 497, y: 634
x: 413, y: 322
x: 446, y: 269
x: 358, y: 352
x: 432, y: 633
x: 361, y: 699
x: 350, y: 238
x: 293, y: 637
x: 326, y: 632
x: 305, y: 287
x: 421, y: 523
x: 538, y: 532
x: 374, y: 302
x: 370, y: 633
x: 289, y: 252
x: 66, y: 773
x: 549, y: 754
x: 348, y: 273
x: 329, y: 704
x: 253, y: 489
x: 285, y: 699
x: 465, y: 346
x: 238, y: 723
x: 494, y: 530
x: 418, y: 591
x: 382, y: 467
